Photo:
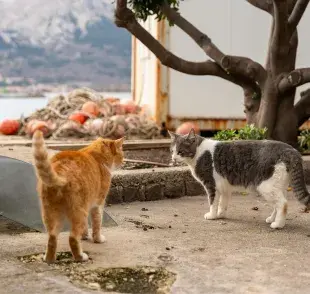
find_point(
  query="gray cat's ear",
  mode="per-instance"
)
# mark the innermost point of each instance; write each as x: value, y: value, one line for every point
x: 172, y: 135
x: 191, y: 134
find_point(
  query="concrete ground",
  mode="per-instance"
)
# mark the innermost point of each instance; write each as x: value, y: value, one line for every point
x: 240, y: 254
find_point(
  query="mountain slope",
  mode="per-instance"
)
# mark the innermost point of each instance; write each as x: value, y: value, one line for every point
x: 62, y: 41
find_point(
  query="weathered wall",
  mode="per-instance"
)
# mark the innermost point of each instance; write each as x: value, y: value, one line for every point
x: 237, y: 28
x: 144, y: 70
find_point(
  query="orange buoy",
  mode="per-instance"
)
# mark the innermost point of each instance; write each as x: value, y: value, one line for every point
x: 91, y: 108
x: 186, y: 127
x: 78, y: 117
x: 9, y: 126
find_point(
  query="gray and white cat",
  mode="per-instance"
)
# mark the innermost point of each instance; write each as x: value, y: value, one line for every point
x: 266, y: 166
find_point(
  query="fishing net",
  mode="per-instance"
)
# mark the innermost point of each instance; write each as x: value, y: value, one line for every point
x: 113, y: 120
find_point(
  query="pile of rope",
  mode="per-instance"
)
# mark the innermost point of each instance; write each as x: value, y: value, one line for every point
x: 112, y: 119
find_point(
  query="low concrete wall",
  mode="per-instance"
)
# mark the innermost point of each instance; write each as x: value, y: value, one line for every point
x: 161, y: 183
x: 153, y: 184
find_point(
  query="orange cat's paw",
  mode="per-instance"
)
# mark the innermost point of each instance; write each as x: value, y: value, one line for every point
x: 49, y: 260
x: 99, y: 239
x: 85, y: 236
x: 82, y: 257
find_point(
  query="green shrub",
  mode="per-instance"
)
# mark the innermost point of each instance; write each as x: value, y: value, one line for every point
x: 226, y: 135
x: 304, y: 140
x: 249, y: 132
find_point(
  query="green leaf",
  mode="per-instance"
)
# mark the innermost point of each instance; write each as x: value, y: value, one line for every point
x: 248, y: 132
x: 145, y: 8
x: 304, y: 140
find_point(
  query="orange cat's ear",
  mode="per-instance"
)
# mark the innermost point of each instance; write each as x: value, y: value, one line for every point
x: 119, y: 142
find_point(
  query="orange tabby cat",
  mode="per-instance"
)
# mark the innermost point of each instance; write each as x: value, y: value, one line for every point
x: 71, y: 184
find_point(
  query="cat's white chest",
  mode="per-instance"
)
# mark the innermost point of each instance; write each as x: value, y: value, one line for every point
x: 221, y: 184
x: 192, y: 169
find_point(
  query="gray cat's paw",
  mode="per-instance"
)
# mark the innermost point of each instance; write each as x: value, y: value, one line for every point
x: 270, y: 219
x: 221, y: 214
x: 275, y: 225
x: 210, y: 216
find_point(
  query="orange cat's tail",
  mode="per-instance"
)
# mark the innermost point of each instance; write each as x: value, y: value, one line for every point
x: 43, y: 166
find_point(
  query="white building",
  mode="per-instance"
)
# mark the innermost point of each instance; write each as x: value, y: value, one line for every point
x: 237, y: 28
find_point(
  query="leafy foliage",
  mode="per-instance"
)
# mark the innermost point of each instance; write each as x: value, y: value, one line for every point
x: 145, y: 8
x: 226, y: 135
x: 256, y: 96
x: 249, y: 132
x: 304, y: 140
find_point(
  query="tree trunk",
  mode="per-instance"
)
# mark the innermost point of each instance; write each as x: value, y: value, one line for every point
x: 285, y: 123
x: 286, y: 128
x: 275, y: 110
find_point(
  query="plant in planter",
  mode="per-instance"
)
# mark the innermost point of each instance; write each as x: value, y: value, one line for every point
x: 226, y: 135
x: 249, y: 132
x: 304, y: 140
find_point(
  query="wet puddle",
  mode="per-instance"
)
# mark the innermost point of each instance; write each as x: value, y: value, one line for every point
x: 142, y: 279
x: 127, y: 279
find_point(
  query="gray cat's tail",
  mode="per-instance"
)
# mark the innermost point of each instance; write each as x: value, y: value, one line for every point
x: 298, y: 180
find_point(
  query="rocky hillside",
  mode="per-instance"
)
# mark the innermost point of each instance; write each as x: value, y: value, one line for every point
x: 63, y: 41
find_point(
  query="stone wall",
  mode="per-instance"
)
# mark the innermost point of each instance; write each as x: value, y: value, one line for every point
x: 153, y: 184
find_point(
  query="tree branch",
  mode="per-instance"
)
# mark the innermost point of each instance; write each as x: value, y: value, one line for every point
x: 278, y: 45
x: 125, y: 18
x: 268, y: 6
x: 297, y: 13
x: 294, y: 79
x: 244, y: 66
x: 302, y: 107
x: 200, y: 38
x: 232, y: 64
x: 265, y: 5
